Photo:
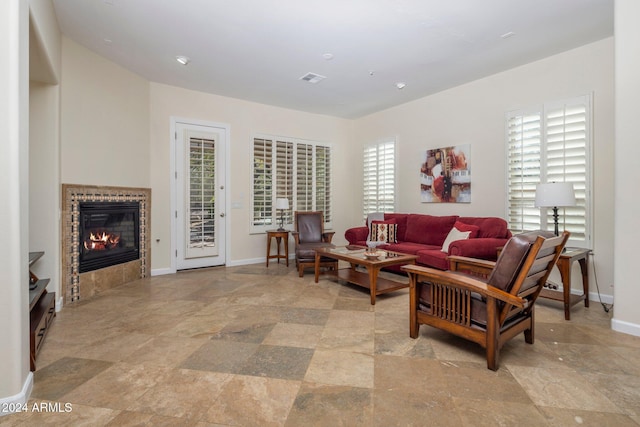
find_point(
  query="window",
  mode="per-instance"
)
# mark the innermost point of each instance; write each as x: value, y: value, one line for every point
x: 295, y: 169
x: 379, y: 177
x: 550, y: 143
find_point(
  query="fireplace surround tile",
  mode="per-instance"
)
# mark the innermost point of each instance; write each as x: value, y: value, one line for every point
x: 76, y: 285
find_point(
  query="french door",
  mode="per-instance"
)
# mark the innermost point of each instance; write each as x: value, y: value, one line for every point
x: 200, y: 195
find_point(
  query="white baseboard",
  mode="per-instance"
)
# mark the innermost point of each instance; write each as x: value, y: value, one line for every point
x: 13, y: 403
x: 593, y: 296
x: 625, y: 327
x: 245, y: 262
x: 161, y: 271
x: 59, y: 304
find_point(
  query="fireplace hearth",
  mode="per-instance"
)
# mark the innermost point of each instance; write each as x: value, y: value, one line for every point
x: 109, y: 234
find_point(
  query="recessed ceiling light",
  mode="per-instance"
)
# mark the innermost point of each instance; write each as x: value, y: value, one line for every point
x: 107, y: 41
x: 372, y: 73
x: 401, y: 85
x: 327, y: 56
x: 507, y: 35
x: 184, y: 60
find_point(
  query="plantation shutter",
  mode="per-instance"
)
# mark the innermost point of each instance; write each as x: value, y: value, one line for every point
x: 566, y: 126
x: 304, y: 177
x: 323, y: 181
x: 297, y: 170
x: 524, y: 170
x: 262, y: 182
x: 284, y: 175
x: 379, y: 177
x: 550, y: 144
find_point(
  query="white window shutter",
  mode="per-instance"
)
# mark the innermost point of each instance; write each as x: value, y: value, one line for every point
x: 379, y: 160
x: 551, y: 144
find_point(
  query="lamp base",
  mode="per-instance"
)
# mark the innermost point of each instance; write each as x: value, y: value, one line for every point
x: 555, y: 220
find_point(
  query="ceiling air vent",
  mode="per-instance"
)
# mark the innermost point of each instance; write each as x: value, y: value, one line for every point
x: 312, y: 77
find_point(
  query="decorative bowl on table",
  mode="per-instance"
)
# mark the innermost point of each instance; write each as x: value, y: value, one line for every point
x: 374, y: 254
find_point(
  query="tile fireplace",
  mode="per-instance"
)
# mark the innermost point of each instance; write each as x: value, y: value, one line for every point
x: 105, y: 238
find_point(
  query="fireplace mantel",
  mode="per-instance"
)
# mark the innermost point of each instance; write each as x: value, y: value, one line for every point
x: 76, y: 285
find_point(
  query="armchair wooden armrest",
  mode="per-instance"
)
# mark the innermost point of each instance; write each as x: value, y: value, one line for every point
x: 327, y: 236
x: 473, y: 266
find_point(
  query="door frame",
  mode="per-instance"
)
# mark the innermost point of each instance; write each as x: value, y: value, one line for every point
x: 225, y: 128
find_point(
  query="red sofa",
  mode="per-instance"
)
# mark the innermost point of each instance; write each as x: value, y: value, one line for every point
x: 423, y: 235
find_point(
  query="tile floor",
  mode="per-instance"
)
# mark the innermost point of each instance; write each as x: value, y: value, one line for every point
x: 251, y: 346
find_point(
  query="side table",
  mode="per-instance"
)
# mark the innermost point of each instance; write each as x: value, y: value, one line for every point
x: 279, y: 235
x: 564, y: 265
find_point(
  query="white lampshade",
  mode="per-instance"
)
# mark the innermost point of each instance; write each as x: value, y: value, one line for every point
x: 555, y: 194
x: 282, y: 203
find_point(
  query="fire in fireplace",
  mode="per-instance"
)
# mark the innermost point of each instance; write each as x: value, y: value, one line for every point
x: 109, y: 234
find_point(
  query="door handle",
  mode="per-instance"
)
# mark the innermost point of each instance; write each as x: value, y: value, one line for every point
x: 222, y: 214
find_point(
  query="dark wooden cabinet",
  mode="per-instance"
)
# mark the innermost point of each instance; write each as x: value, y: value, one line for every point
x: 42, y: 309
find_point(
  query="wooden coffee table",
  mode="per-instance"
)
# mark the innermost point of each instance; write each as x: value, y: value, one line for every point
x: 370, y: 280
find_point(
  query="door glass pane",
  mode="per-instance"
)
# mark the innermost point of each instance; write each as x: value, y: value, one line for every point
x: 202, y: 232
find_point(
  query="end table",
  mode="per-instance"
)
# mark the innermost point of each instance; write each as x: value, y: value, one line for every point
x: 564, y: 265
x: 279, y: 235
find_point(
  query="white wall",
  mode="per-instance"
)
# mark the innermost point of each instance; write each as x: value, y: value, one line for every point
x: 15, y: 378
x: 245, y: 119
x: 44, y: 141
x: 627, y: 173
x: 474, y: 114
x: 44, y: 181
x: 104, y: 121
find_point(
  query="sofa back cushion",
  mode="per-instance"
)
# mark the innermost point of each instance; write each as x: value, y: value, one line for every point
x: 489, y: 226
x: 428, y: 229
x: 401, y: 220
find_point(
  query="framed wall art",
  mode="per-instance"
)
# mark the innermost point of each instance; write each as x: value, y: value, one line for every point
x: 445, y: 175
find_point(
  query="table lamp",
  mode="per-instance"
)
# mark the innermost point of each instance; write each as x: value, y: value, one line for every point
x: 555, y: 195
x: 282, y: 204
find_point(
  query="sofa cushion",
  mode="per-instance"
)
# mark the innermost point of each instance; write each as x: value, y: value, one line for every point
x: 433, y: 258
x: 383, y: 231
x: 454, y: 235
x: 428, y: 229
x: 409, y: 247
x: 489, y: 226
x: 473, y: 229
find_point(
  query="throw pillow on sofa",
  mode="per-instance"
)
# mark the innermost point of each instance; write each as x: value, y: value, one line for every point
x: 383, y: 231
x: 474, y: 229
x: 454, y: 235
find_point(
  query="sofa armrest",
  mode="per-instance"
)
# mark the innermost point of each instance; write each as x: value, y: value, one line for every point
x: 356, y: 234
x: 482, y: 248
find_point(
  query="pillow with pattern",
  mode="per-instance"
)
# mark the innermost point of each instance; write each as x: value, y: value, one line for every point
x: 383, y: 231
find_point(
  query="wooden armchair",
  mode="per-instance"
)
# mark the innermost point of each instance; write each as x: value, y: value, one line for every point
x: 309, y: 234
x: 491, y: 302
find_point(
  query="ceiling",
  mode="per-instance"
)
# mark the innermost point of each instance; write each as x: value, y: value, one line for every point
x: 258, y: 50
